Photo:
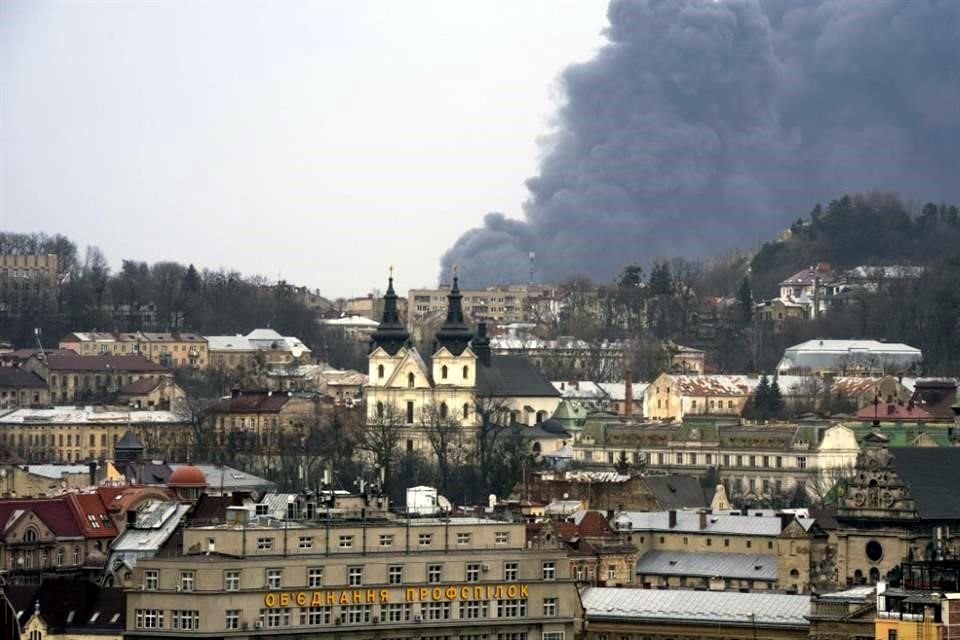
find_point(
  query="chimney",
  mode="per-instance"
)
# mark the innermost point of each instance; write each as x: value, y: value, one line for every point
x: 703, y: 519
x: 93, y: 473
x: 672, y: 518
x: 131, y: 517
x: 628, y: 393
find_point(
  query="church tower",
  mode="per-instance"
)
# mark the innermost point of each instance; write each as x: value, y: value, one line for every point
x: 454, y: 334
x: 391, y: 335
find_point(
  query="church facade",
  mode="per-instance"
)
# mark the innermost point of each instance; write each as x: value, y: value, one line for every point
x: 460, y: 383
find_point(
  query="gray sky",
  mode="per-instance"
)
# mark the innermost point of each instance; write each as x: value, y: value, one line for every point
x: 322, y: 141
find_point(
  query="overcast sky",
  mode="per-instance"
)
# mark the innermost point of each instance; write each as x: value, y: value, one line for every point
x: 321, y: 142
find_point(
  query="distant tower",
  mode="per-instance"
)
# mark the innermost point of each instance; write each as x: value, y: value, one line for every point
x: 390, y: 334
x: 533, y: 257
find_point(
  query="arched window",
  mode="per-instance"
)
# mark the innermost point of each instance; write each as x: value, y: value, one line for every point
x: 466, y: 410
x: 443, y: 409
x: 443, y: 372
x: 76, y: 555
x: 874, y: 575
x: 466, y: 372
x: 379, y: 370
x: 410, y: 380
x: 379, y: 409
x: 30, y: 535
x: 514, y: 417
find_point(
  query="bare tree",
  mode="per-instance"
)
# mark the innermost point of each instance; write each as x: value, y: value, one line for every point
x: 381, y: 436
x: 445, y: 434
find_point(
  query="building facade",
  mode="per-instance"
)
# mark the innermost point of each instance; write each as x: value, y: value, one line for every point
x: 21, y: 388
x: 353, y: 579
x: 176, y: 350
x: 72, y: 379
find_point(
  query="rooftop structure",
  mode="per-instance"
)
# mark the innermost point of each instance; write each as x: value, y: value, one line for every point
x: 842, y: 356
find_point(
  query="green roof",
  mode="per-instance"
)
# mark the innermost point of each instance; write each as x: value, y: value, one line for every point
x: 900, y: 434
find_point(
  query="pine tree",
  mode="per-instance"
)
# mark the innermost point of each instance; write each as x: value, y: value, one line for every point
x: 745, y: 300
x: 775, y: 400
x: 761, y: 398
x: 623, y: 465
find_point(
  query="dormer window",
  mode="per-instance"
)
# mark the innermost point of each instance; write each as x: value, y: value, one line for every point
x: 443, y: 372
x: 410, y: 380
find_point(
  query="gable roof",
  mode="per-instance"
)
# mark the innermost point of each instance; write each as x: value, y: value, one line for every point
x: 676, y: 491
x: 54, y: 512
x: 68, y: 603
x: 20, y: 379
x: 708, y: 565
x: 411, y: 355
x: 512, y: 376
x: 926, y: 470
x: 102, y: 363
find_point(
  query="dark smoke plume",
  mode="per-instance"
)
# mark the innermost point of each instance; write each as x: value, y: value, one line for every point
x: 703, y: 125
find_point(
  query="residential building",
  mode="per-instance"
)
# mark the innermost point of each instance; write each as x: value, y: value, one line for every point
x: 356, y: 328
x: 673, y: 396
x: 900, y: 504
x: 74, y: 434
x: 462, y: 380
x: 722, y: 551
x: 844, y: 615
x: 686, y: 360
x: 16, y: 357
x: 25, y: 279
x: 500, y: 305
x: 923, y: 604
x: 151, y: 393
x: 348, y: 578
x: 655, y: 614
x: 753, y: 463
x: 176, y: 350
x: 72, y: 379
x: 43, y: 479
x: 22, y: 388
x: 248, y: 419
x: 371, y: 306
x: 598, y: 556
x: 811, y: 287
x: 232, y: 353
x: 48, y: 536
x: 565, y: 354
x: 849, y: 357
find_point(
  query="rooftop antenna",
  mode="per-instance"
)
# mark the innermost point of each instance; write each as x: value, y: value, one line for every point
x: 36, y: 336
x: 533, y: 257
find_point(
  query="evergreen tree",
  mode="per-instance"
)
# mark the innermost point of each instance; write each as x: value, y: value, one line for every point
x: 761, y: 398
x: 745, y: 300
x: 661, y: 282
x: 775, y: 403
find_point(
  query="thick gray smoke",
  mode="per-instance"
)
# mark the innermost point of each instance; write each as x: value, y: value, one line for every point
x: 703, y: 125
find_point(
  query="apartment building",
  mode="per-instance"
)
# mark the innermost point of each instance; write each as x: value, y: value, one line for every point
x: 249, y: 418
x: 20, y: 388
x: 76, y: 378
x: 169, y: 349
x: 355, y: 577
x: 501, y: 305
x: 234, y: 353
x: 24, y: 278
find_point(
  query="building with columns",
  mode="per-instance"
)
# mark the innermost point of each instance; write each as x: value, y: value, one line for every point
x: 460, y: 381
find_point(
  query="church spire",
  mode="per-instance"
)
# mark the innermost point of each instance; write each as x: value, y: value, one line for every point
x: 454, y: 333
x: 391, y: 334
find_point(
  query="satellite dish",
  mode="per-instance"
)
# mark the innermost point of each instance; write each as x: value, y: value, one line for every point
x: 444, y: 504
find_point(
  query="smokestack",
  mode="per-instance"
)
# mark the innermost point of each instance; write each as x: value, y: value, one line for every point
x: 703, y: 519
x: 93, y: 473
x: 628, y: 393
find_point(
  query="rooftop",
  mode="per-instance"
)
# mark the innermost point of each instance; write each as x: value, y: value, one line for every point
x: 716, y: 523
x: 708, y: 565
x: 88, y: 415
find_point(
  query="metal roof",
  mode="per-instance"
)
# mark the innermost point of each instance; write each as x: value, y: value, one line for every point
x: 56, y: 471
x: 87, y: 415
x: 687, y: 606
x: 689, y: 521
x: 708, y: 565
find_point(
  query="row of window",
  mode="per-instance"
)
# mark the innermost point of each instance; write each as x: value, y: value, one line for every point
x: 707, y: 459
x: 386, y: 540
x: 273, y: 578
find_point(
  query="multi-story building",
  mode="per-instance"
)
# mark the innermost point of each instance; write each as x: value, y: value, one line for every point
x: 232, y: 353
x: 24, y: 279
x: 169, y: 349
x: 657, y: 614
x: 249, y: 417
x: 673, y: 396
x: 74, y: 434
x: 844, y: 615
x: 464, y: 381
x: 72, y: 379
x: 371, y: 306
x: 355, y: 577
x: 21, y: 388
x: 849, y: 357
x: 923, y: 604
x: 753, y: 463
x: 356, y: 328
x: 500, y: 305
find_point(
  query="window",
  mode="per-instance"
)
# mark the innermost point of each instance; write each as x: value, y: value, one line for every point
x: 502, y: 537
x: 466, y: 372
x: 726, y: 542
x: 274, y: 578
x: 679, y: 458
x: 185, y: 619
x: 386, y: 540
x: 316, y: 615
x: 708, y: 458
x: 396, y: 612
x: 510, y: 571
x: 356, y: 614
x: 549, y: 571
x: 410, y: 411
x: 749, y: 543
x: 315, y: 577
x: 231, y: 619
x: 231, y: 581
x: 473, y: 572
x: 463, y: 538
x: 802, y: 462
x: 186, y: 580
x: 151, y: 577
x: 346, y: 542
x: 511, y: 608
x: 434, y: 573
x: 395, y: 574
x: 149, y: 618
x: 473, y: 609
x: 766, y: 461
x: 411, y: 380
x: 611, y: 573
x: 466, y: 410
x: 549, y: 607
x: 264, y: 544
x: 739, y: 461
x: 552, y: 635
x: 726, y: 460
x: 305, y: 542
x: 435, y: 610
x: 274, y: 618
x: 380, y: 410
x: 424, y: 539
x: 379, y: 370
x: 693, y: 458
x: 443, y: 372
x: 516, y: 635
x: 891, y: 634
x: 779, y: 462
x: 443, y: 410
x: 355, y: 576
x: 753, y: 461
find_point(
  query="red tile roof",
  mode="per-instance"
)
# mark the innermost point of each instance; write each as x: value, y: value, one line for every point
x: 92, y: 515
x: 56, y: 513
x: 893, y: 411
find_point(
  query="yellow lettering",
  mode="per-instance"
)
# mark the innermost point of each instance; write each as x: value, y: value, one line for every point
x: 451, y: 593
x: 344, y: 598
x: 464, y: 593
x: 270, y: 600
x: 424, y: 593
x: 384, y: 595
x: 410, y: 595
x: 302, y: 599
x: 371, y: 595
x: 524, y: 591
x: 478, y: 593
x: 498, y: 591
x: 357, y: 596
x: 436, y: 594
x: 488, y: 592
x: 284, y: 599
x: 331, y: 597
x: 316, y: 600
x: 512, y: 591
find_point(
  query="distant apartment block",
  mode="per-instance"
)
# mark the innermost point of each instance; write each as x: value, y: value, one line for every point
x: 169, y: 349
x: 501, y: 305
x: 23, y: 278
x: 231, y: 353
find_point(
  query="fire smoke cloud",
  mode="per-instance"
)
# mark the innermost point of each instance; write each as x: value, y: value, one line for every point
x: 703, y: 125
